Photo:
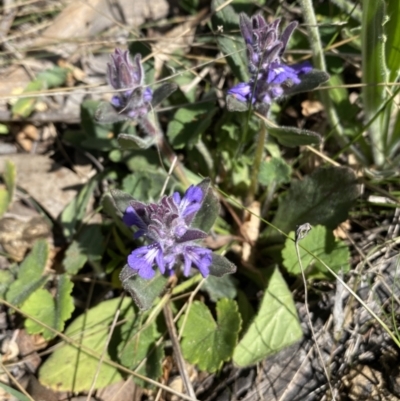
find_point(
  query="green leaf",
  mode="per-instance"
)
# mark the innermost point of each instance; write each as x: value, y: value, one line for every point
x: 275, y: 326
x: 138, y: 344
x: 131, y: 141
x: 308, y: 82
x: 209, y: 211
x: 87, y: 246
x: 220, y: 266
x: 220, y: 287
x: 19, y: 396
x: 9, y: 177
x: 30, y: 274
x: 71, y: 369
x: 208, y: 343
x: 324, y: 197
x: 162, y: 92
x: 121, y: 200
x: 322, y: 243
x: 4, y: 201
x: 144, y: 185
x: 374, y: 72
x: 6, y: 278
x: 50, y: 78
x: 274, y: 170
x: 393, y: 39
x: 75, y: 210
x: 233, y: 104
x: 291, y: 136
x: 144, y: 292
x: 52, y: 312
x: 231, y: 45
x: 188, y: 123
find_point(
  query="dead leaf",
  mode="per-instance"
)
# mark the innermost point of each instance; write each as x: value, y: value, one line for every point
x: 50, y: 184
x: 123, y: 390
x: 250, y: 229
x: 310, y: 107
x: 87, y: 19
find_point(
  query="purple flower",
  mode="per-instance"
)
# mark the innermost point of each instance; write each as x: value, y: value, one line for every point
x: 270, y: 76
x: 134, y: 101
x: 167, y: 225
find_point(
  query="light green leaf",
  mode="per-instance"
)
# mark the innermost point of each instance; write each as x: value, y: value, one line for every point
x: 52, y: 312
x: 4, y: 201
x: 30, y: 274
x: 274, y: 170
x: 275, y: 326
x: 322, y: 243
x: 324, y: 197
x: 188, y: 123
x: 9, y: 177
x: 393, y: 39
x: 208, y: 343
x: 71, y: 369
x: 220, y: 287
x: 6, y: 278
x: 138, y: 344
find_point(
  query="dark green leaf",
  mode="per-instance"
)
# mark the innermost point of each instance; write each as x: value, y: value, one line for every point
x: 220, y: 287
x: 229, y: 40
x: 291, y: 136
x: 308, y: 82
x: 188, y: 123
x: 324, y: 197
x: 162, y: 92
x: 130, y: 141
x: 221, y: 265
x: 144, y: 292
x: 232, y: 104
x: 208, y: 213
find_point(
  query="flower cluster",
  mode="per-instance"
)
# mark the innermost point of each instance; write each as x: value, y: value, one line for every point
x: 134, y: 100
x: 167, y: 225
x: 270, y: 76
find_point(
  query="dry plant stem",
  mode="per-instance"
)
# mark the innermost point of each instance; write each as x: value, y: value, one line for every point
x: 169, y: 320
x: 94, y: 354
x: 296, y: 244
x: 114, y: 322
x: 258, y: 156
x: 151, y: 129
x: 319, y: 62
x: 15, y: 381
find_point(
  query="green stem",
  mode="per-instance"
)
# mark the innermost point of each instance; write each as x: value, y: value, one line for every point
x: 258, y: 156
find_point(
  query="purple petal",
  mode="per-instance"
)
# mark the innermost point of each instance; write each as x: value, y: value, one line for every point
x: 302, y: 68
x: 142, y: 260
x: 131, y: 218
x: 246, y: 28
x: 200, y: 257
x: 240, y: 91
x: 147, y: 95
x: 191, y: 201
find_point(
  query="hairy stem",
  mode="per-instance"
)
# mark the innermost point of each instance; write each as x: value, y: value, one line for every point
x: 258, y: 156
x: 152, y: 129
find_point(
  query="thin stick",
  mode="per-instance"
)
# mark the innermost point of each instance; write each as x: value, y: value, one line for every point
x: 15, y: 381
x: 94, y: 354
x: 114, y: 322
x: 169, y: 320
x: 301, y: 232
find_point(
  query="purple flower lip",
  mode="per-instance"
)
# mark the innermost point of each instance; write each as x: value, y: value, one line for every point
x: 134, y: 99
x: 167, y: 225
